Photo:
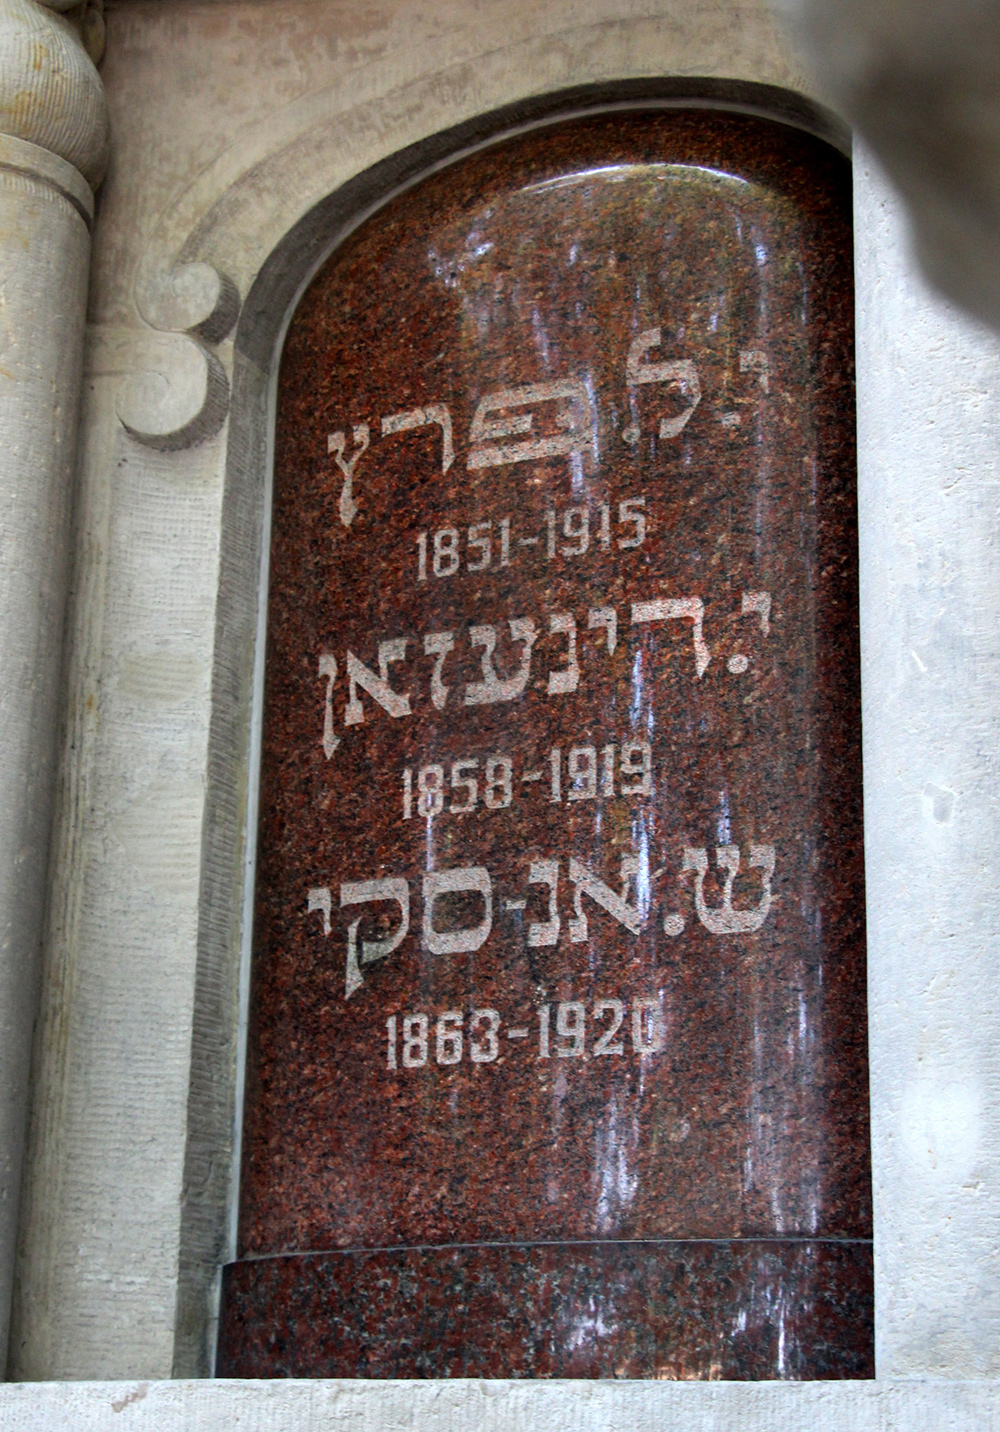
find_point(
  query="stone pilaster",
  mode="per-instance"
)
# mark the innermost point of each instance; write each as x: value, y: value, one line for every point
x: 53, y: 149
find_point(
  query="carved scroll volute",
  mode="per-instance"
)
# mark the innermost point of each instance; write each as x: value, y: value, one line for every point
x: 179, y: 395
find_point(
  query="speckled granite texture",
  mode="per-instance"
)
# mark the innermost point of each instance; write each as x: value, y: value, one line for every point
x: 559, y: 931
x: 741, y: 1309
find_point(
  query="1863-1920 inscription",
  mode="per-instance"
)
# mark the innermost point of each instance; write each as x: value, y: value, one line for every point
x: 557, y: 1059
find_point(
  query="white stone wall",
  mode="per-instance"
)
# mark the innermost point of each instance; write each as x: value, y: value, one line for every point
x: 929, y: 498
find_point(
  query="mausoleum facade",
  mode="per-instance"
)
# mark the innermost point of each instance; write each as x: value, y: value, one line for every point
x: 498, y: 853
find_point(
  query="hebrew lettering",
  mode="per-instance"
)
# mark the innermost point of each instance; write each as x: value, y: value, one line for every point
x: 545, y: 872
x: 492, y: 688
x: 607, y: 618
x: 723, y: 919
x: 566, y: 675
x: 378, y: 687
x: 319, y: 899
x: 420, y: 418
x: 753, y: 604
x: 676, y: 609
x: 573, y: 418
x: 336, y: 444
x: 438, y: 644
x: 753, y: 360
x: 475, y: 880
x: 328, y: 668
x: 759, y: 603
x: 680, y: 373
x: 472, y: 878
x: 366, y: 892
x: 616, y: 905
x: 568, y: 678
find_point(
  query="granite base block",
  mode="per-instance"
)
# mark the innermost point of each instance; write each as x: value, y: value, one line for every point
x: 730, y: 1310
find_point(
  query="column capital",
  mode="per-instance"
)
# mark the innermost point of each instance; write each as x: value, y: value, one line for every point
x: 50, y: 92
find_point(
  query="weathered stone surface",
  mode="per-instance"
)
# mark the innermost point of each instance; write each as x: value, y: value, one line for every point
x: 560, y: 915
x: 512, y: 1406
x: 50, y: 92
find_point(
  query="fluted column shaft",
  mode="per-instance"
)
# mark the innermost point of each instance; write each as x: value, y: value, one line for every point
x: 53, y: 141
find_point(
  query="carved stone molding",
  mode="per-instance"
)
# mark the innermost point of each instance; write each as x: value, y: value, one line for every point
x: 182, y: 397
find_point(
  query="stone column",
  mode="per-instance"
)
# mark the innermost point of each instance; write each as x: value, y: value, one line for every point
x: 53, y: 147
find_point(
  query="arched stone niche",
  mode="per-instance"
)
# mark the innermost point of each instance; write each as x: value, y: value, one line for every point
x: 761, y: 1201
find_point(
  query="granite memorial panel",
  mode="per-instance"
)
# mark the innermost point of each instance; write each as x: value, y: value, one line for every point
x: 557, y: 1052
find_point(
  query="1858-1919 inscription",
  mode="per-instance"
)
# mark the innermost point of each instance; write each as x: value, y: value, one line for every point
x: 557, y: 1060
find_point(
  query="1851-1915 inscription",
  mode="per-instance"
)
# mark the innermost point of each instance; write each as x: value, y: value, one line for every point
x: 557, y: 1057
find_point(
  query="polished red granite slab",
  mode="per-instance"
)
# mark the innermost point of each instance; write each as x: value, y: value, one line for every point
x: 735, y: 1310
x: 559, y: 929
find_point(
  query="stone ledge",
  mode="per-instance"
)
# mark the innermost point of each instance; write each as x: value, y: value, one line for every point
x: 293, y: 1406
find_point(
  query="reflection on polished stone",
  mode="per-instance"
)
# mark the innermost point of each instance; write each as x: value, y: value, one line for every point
x: 740, y: 1309
x: 557, y: 1043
